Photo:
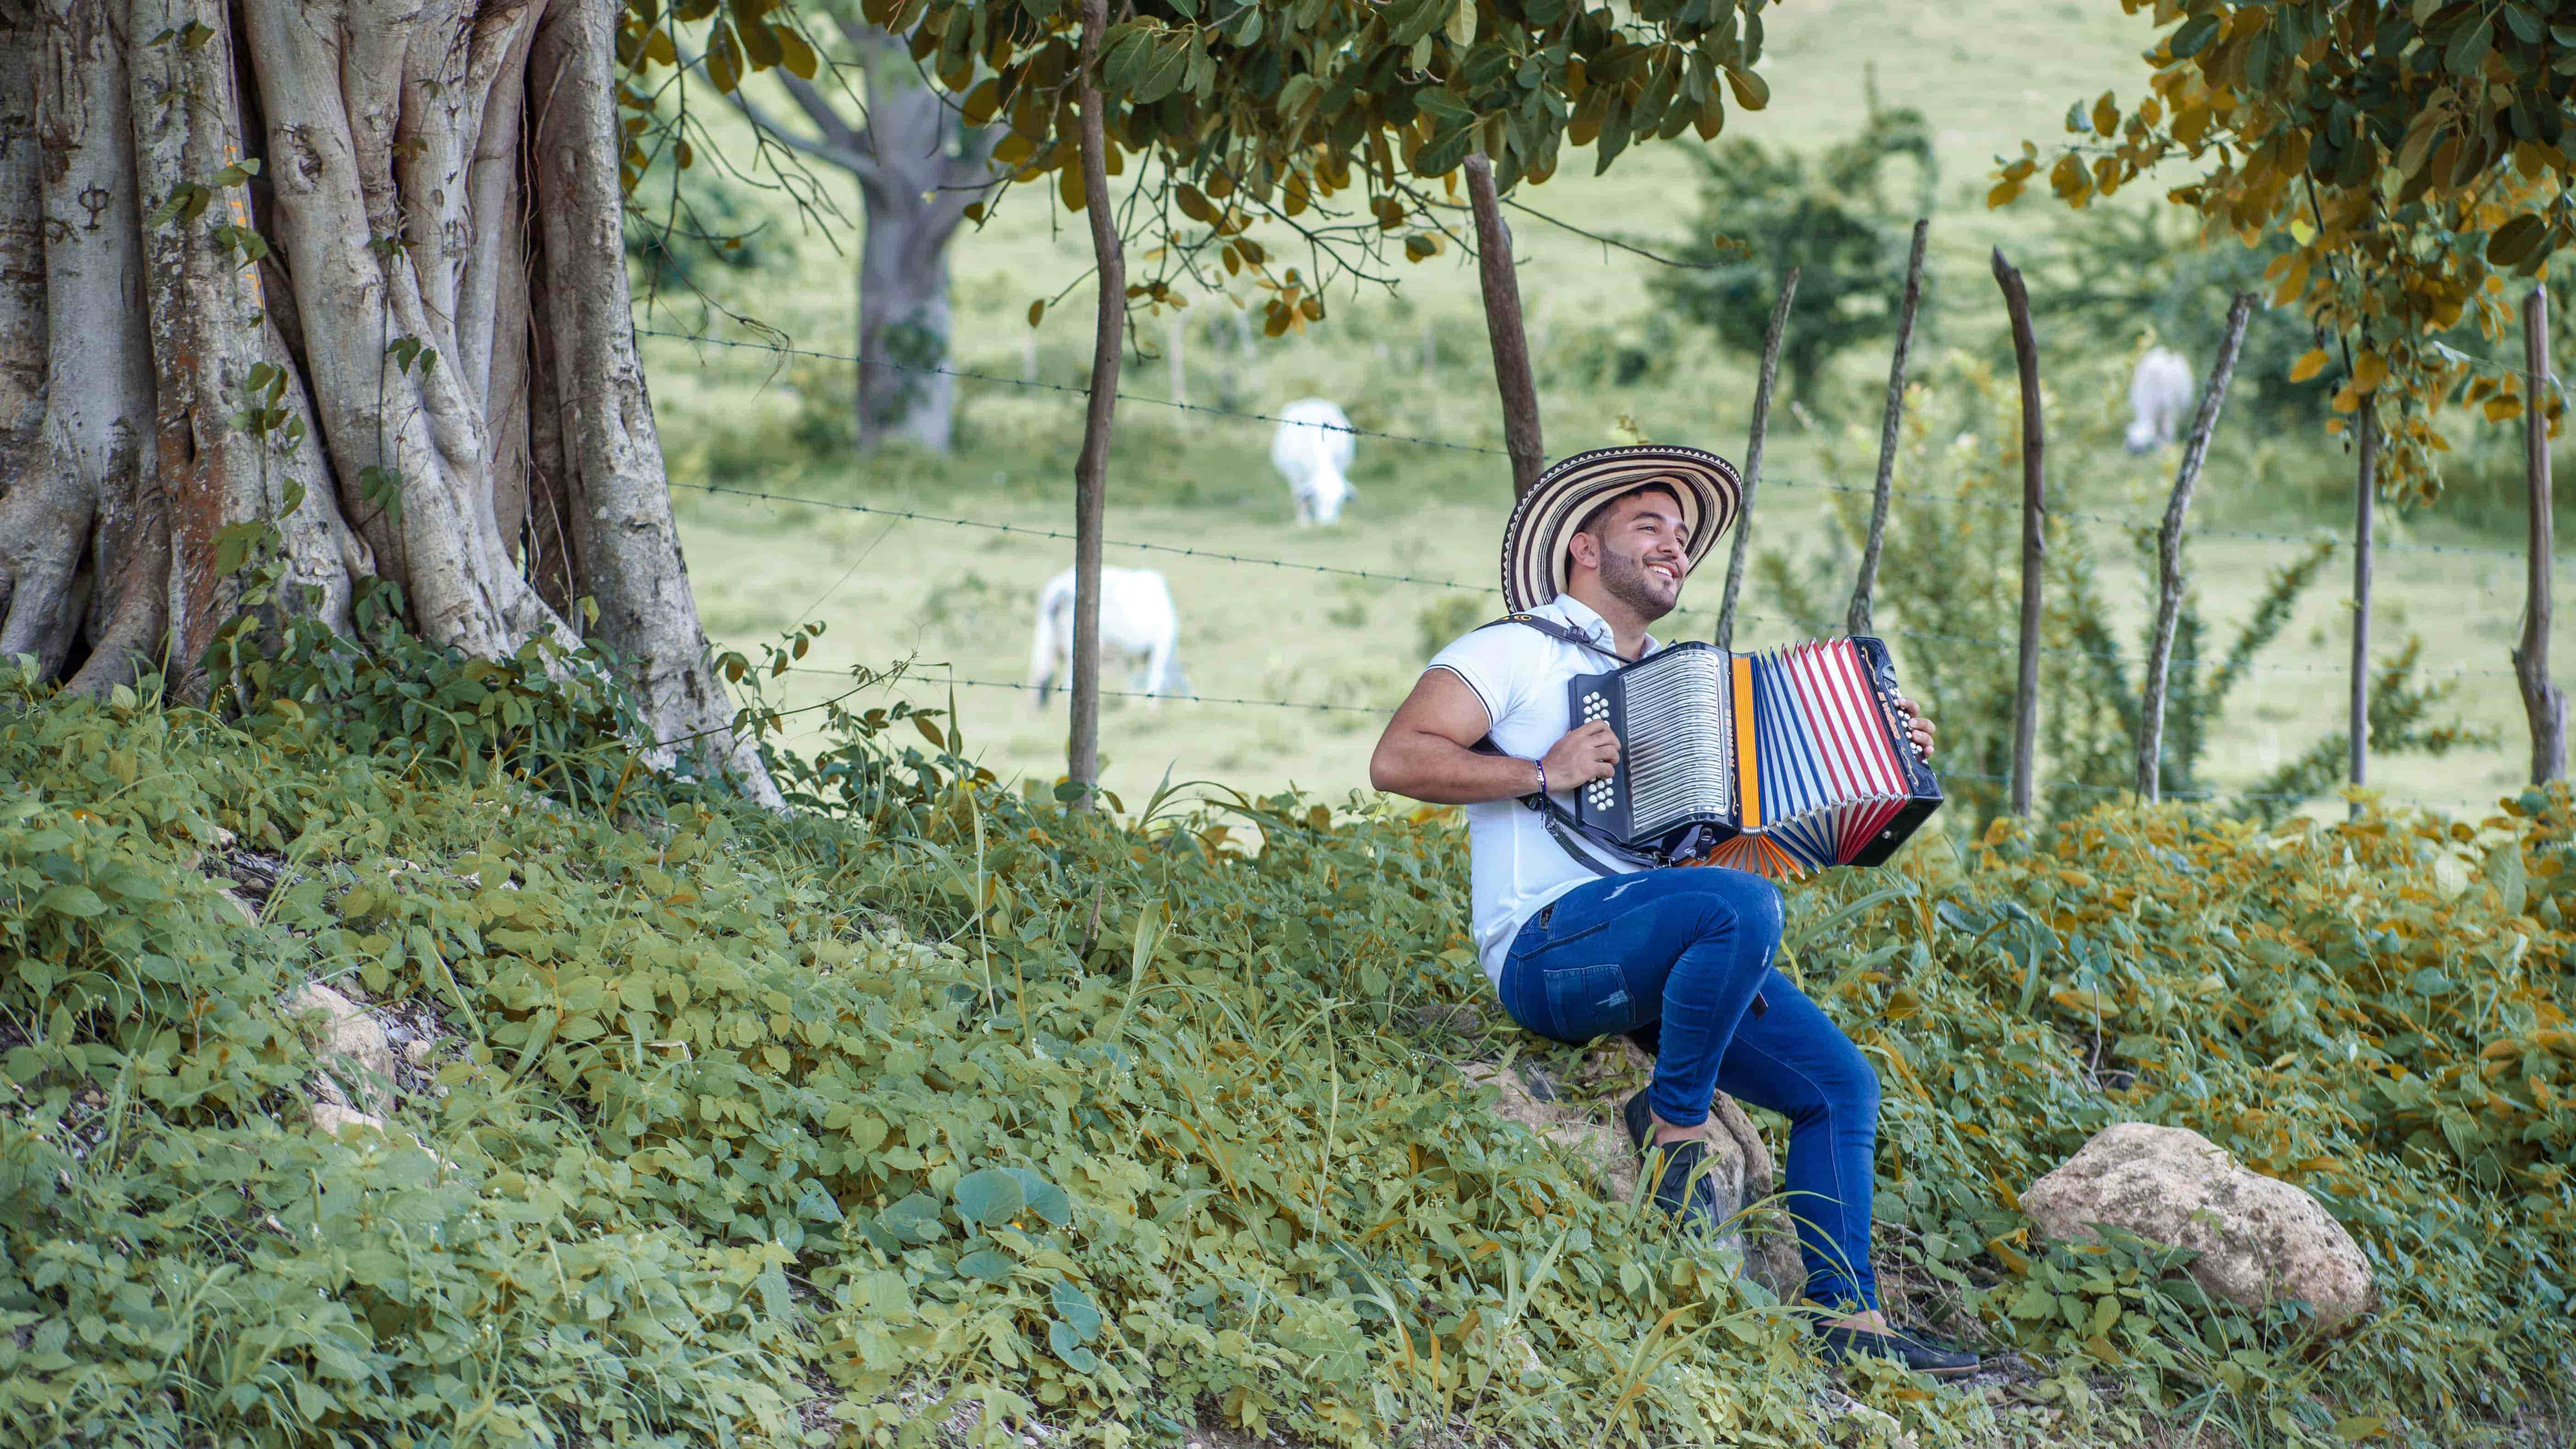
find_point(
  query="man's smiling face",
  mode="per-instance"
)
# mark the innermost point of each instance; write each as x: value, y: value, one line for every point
x: 1642, y: 550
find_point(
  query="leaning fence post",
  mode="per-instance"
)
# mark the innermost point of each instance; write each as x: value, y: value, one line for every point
x: 1753, y: 458
x: 1091, y: 468
x: 2541, y: 700
x: 2034, y: 529
x: 1857, y: 620
x: 2151, y: 707
x: 1503, y: 327
x: 2365, y: 486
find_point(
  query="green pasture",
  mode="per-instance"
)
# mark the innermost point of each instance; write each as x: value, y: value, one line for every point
x: 1411, y: 359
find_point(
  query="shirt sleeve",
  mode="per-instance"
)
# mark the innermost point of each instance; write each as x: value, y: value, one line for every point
x: 1493, y: 662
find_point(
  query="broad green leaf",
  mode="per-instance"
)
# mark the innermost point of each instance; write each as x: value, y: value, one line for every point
x: 990, y: 1197
x: 72, y: 900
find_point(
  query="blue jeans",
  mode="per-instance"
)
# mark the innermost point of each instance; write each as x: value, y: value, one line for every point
x: 1680, y: 955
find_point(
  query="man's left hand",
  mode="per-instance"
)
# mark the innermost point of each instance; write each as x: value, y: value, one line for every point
x: 1917, y: 728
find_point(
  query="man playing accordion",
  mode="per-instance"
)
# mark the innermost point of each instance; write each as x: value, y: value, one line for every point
x: 1581, y: 942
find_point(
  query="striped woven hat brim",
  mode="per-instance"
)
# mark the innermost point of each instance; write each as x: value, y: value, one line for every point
x: 1543, y: 522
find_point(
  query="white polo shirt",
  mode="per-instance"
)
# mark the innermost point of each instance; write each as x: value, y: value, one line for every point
x: 1515, y: 866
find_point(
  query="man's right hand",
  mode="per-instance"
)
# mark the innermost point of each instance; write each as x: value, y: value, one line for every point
x: 1583, y: 756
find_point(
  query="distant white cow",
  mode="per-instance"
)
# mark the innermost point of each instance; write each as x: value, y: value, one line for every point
x: 2160, y: 393
x: 1137, y: 620
x: 1312, y: 450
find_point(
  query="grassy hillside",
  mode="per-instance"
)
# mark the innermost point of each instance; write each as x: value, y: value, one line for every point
x: 947, y: 1111
x: 1412, y: 361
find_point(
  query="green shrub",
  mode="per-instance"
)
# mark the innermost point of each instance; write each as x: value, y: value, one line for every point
x: 940, y: 1098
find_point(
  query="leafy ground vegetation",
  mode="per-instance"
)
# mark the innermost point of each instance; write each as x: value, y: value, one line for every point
x: 936, y: 1110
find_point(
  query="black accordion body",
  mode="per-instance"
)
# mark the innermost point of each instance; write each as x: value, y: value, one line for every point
x: 1780, y: 762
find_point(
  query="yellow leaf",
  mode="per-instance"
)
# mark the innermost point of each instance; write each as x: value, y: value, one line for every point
x: 2500, y: 408
x: 2106, y: 116
x: 1069, y: 186
x: 1037, y: 309
x: 795, y: 54
x: 2003, y: 194
x: 2368, y: 371
x: 2309, y: 365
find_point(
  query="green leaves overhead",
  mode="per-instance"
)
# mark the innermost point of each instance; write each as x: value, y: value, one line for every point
x: 1264, y: 93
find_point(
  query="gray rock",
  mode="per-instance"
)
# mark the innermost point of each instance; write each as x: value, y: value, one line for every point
x: 1738, y: 1161
x: 2260, y: 1240
x: 353, y: 1045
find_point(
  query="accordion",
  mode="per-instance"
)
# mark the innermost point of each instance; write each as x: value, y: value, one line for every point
x: 1780, y: 762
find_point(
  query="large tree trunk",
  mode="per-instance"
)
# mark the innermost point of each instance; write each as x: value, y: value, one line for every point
x: 437, y: 271
x: 905, y: 394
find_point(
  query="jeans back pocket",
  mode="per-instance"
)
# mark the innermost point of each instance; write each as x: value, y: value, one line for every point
x: 1584, y: 1002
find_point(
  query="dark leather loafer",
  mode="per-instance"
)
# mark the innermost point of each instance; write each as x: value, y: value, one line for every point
x: 1639, y: 1118
x: 1683, y: 1186
x: 1841, y: 1345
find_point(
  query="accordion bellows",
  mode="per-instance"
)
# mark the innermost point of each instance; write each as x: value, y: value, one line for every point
x: 1780, y: 762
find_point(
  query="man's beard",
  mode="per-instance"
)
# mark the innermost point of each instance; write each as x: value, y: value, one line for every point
x: 1625, y: 578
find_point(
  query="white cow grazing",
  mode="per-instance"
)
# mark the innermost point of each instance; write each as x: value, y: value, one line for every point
x: 2160, y: 393
x: 1312, y: 450
x: 1136, y: 619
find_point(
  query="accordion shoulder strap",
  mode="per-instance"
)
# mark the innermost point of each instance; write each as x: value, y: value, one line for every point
x: 1562, y: 633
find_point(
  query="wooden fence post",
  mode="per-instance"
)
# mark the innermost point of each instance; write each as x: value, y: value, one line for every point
x: 2151, y: 706
x: 2034, y: 530
x: 1857, y: 620
x: 1091, y: 469
x: 2364, y: 488
x: 1753, y: 458
x: 1503, y: 327
x: 2542, y: 702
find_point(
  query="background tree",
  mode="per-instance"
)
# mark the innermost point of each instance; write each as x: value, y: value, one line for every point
x: 919, y: 172
x: 323, y: 276
x: 2411, y: 154
x: 1766, y: 209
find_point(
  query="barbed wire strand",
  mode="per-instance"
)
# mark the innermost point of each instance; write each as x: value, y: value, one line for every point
x: 1191, y: 698
x: 1973, y: 640
x: 943, y: 681
x: 1924, y: 495
x: 1159, y: 402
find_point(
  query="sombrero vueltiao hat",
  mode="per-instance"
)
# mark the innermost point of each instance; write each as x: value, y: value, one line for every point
x: 1543, y: 523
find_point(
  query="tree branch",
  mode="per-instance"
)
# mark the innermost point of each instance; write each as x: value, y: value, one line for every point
x: 855, y: 162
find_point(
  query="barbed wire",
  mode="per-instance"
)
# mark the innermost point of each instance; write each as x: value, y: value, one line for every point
x: 1974, y: 640
x: 1186, y: 698
x: 1924, y: 495
x: 1027, y: 531
x: 945, y: 682
x: 1159, y: 402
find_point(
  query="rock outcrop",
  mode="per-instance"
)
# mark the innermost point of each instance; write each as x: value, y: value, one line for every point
x: 2260, y: 1240
x: 352, y: 1045
x: 1739, y: 1162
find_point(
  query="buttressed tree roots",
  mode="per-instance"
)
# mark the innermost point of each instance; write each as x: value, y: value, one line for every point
x: 345, y: 277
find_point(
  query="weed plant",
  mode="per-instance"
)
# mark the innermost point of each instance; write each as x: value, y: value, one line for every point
x: 937, y: 1109
x: 1950, y: 593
